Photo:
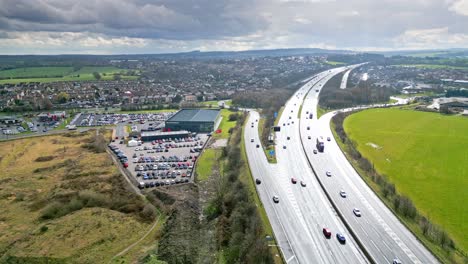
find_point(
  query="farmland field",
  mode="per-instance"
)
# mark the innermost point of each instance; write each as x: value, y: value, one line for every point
x: 425, y: 155
x: 433, y: 66
x: 32, y: 72
x: 55, y: 74
x: 63, y: 202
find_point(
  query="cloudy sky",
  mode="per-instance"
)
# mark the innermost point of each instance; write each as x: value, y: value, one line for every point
x: 160, y: 26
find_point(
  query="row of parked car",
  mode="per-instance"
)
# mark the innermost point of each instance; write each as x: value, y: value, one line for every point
x: 174, y: 158
x: 163, y: 174
x: 120, y: 155
x: 143, y: 185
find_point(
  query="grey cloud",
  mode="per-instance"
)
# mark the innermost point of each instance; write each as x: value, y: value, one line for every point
x: 262, y: 23
x: 147, y: 19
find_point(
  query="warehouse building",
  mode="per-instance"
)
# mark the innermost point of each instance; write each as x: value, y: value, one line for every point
x: 194, y: 120
x: 157, y: 135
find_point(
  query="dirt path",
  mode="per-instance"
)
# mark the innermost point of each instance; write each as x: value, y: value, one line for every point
x: 137, y: 242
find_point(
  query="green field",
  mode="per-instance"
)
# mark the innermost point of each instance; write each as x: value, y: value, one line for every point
x: 55, y: 74
x: 425, y: 155
x: 335, y: 63
x: 31, y: 72
x: 433, y: 66
x: 225, y: 124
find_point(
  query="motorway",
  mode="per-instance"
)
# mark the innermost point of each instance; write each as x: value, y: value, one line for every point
x: 382, y: 235
x: 302, y: 212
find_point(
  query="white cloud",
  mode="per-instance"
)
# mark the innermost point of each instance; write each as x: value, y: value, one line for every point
x: 431, y: 38
x: 460, y: 7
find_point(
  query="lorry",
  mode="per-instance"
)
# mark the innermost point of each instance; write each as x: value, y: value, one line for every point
x: 320, y: 144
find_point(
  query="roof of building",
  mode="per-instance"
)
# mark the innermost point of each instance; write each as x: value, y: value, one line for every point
x: 159, y: 133
x: 195, y: 115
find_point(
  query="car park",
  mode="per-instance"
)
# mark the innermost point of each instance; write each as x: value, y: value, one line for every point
x: 164, y: 159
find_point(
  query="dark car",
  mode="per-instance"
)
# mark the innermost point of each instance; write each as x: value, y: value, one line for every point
x: 315, y: 151
x: 326, y: 232
x: 258, y: 145
x: 341, y: 238
x: 293, y: 180
x: 258, y: 181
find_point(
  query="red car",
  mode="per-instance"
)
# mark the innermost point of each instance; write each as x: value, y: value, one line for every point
x: 125, y: 165
x: 326, y: 232
x: 293, y: 180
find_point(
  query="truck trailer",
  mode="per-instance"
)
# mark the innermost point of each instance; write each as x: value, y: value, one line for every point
x: 320, y: 145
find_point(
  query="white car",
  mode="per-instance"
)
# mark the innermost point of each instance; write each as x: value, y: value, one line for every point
x: 328, y: 174
x: 357, y: 212
x: 343, y: 194
x: 251, y: 140
x: 275, y: 199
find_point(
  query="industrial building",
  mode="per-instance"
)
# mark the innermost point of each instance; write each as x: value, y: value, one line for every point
x: 157, y: 135
x: 194, y: 120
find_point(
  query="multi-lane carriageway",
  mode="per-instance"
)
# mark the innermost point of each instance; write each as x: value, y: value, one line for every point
x: 302, y: 212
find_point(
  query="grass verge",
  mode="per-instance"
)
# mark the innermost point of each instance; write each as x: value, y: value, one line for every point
x: 206, y: 162
x: 269, y: 147
x: 225, y: 124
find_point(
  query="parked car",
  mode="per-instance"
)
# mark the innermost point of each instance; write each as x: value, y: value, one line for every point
x: 326, y: 232
x: 343, y: 194
x: 303, y: 184
x: 258, y: 181
x: 293, y: 180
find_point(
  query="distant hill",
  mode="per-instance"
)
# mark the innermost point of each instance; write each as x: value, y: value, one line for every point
x: 442, y: 53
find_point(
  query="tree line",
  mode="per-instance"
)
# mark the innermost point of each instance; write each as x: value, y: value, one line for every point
x: 332, y: 97
x: 239, y: 228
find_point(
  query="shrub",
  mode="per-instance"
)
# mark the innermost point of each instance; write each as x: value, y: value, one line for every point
x: 53, y: 210
x: 148, y: 212
x: 44, y: 158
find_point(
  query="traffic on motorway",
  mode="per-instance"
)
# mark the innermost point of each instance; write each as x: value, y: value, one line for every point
x: 320, y: 209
